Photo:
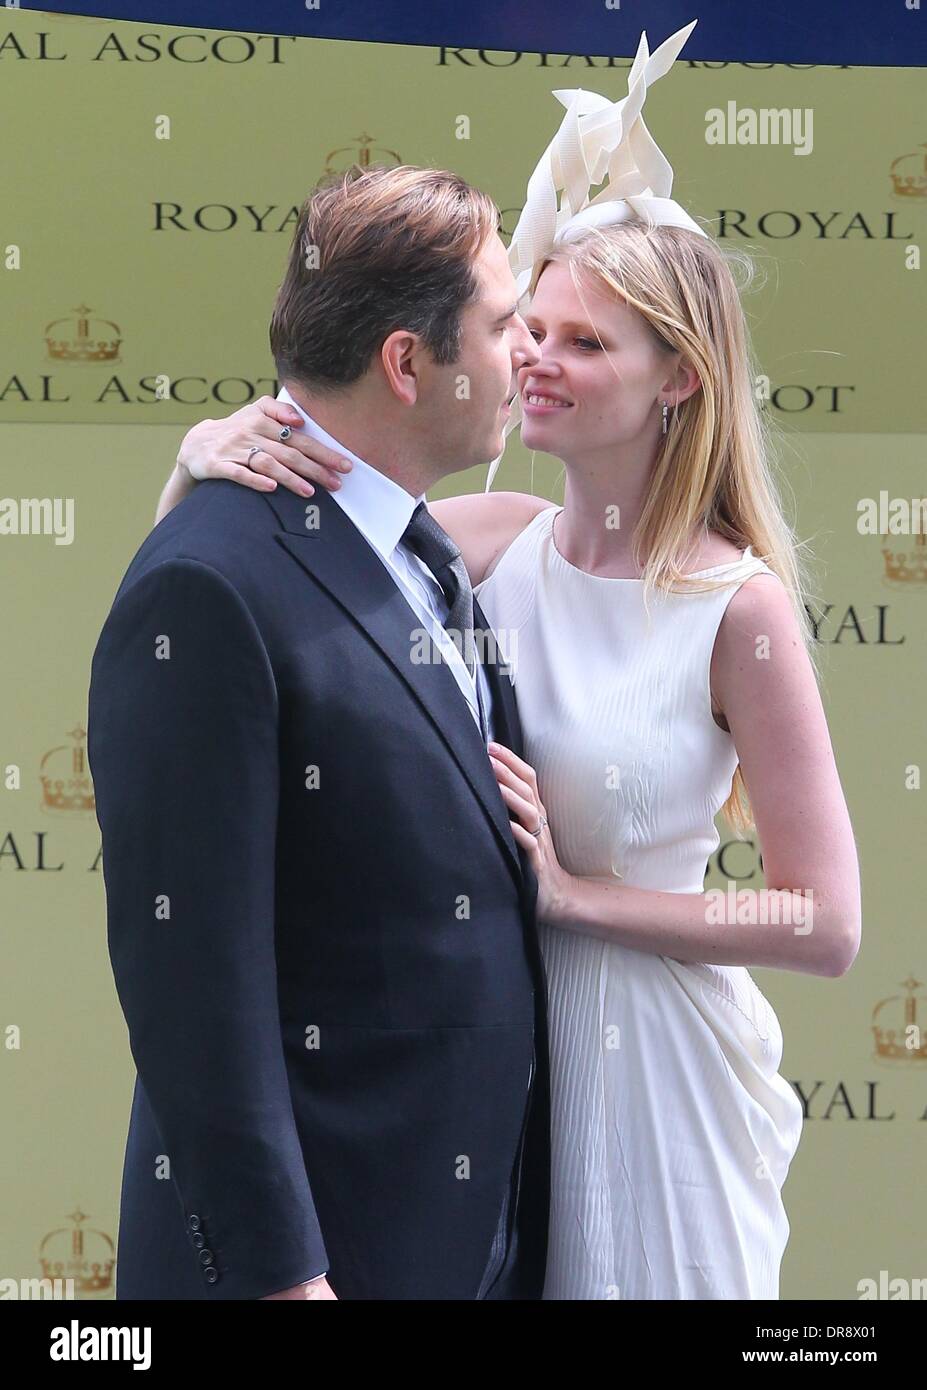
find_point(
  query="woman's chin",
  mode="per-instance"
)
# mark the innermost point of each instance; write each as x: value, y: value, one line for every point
x: 535, y: 434
x: 542, y: 446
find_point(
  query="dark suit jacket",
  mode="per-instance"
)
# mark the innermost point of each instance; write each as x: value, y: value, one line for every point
x: 320, y: 926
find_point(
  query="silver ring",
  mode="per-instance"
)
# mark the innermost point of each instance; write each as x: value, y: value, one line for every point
x: 255, y: 449
x: 285, y: 433
x: 537, y: 833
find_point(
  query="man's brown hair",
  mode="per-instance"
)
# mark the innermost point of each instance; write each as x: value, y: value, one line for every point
x: 376, y: 250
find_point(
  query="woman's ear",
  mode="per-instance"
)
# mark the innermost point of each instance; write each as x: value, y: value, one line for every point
x: 682, y: 384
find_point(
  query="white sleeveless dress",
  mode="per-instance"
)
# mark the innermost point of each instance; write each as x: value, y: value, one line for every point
x: 672, y: 1129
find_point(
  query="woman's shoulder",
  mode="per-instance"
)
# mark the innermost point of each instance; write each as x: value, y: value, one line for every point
x: 516, y: 517
x: 484, y: 525
x: 717, y: 552
x: 712, y: 550
x: 750, y: 593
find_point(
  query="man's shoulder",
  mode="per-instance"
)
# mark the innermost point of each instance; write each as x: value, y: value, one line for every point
x: 216, y: 517
x: 220, y: 525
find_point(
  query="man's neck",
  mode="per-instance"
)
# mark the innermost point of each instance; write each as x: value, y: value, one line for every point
x: 358, y: 425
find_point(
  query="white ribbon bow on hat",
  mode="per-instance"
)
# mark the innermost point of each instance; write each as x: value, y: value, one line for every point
x: 598, y: 141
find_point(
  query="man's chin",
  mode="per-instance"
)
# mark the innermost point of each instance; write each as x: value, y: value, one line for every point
x: 497, y: 446
x: 487, y: 456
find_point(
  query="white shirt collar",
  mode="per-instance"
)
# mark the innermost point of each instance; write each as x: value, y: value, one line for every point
x: 378, y: 506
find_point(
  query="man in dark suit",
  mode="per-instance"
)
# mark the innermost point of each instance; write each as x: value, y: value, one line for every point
x: 320, y: 925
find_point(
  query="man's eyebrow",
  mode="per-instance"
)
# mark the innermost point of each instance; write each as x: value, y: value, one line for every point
x: 507, y: 314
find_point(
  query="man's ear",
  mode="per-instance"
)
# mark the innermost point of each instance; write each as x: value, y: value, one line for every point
x: 399, y: 357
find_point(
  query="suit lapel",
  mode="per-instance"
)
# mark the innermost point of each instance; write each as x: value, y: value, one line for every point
x: 336, y: 555
x: 504, y: 709
x: 507, y: 725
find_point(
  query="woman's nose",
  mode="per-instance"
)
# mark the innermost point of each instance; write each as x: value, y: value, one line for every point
x: 545, y: 366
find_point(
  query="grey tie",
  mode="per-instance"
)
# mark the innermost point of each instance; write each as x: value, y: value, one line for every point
x: 431, y: 543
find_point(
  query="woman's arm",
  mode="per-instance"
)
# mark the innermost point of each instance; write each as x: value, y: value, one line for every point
x: 220, y: 448
x: 177, y: 487
x: 774, y: 711
x: 483, y: 525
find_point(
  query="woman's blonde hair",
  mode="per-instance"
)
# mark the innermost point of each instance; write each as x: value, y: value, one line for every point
x: 713, y: 469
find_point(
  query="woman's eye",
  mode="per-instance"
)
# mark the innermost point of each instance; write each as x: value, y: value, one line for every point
x: 586, y: 342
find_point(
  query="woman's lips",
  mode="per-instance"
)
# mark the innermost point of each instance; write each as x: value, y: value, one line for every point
x: 530, y: 409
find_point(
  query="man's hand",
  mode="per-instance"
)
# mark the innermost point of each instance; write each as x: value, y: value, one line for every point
x: 313, y: 1288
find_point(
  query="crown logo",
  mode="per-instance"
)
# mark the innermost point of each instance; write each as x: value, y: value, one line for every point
x: 898, y: 1036
x: 907, y: 567
x: 83, y: 339
x: 362, y: 153
x: 86, y: 1256
x: 65, y: 777
x: 909, y: 174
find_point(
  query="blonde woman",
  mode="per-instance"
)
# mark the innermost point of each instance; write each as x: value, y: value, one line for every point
x: 660, y: 658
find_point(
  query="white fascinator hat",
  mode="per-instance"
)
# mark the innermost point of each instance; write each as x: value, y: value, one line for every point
x: 599, y: 142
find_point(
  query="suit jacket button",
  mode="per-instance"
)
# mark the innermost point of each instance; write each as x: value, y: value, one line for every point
x: 198, y: 1240
x: 193, y: 1222
x: 206, y: 1257
x: 212, y: 1274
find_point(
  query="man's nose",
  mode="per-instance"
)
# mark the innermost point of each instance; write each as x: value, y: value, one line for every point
x: 528, y: 353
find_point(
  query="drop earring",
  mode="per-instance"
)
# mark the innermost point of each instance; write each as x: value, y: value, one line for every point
x: 665, y: 414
